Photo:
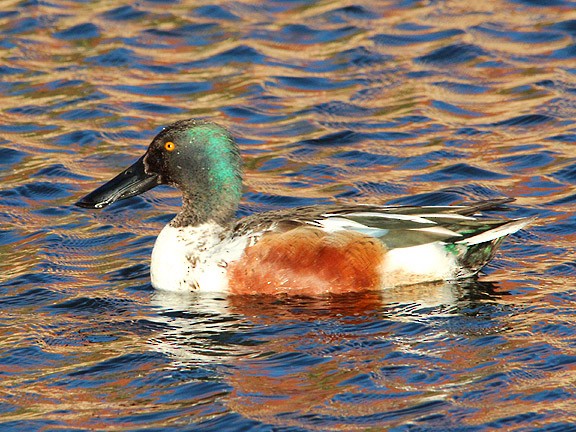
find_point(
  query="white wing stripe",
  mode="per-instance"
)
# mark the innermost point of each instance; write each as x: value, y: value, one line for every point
x: 495, y: 233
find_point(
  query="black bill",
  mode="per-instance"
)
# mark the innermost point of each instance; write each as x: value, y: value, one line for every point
x: 130, y: 182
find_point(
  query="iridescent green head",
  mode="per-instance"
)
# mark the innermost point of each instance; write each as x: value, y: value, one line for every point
x: 199, y: 158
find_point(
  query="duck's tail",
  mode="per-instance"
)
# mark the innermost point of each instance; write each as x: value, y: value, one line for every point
x: 479, y: 248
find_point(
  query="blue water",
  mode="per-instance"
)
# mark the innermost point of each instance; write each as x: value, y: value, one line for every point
x: 376, y: 102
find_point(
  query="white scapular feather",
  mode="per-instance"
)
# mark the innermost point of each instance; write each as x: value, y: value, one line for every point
x: 334, y: 224
x: 454, y: 216
x: 412, y: 218
x: 438, y: 230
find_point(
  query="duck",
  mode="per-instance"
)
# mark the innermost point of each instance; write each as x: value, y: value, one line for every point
x: 311, y: 250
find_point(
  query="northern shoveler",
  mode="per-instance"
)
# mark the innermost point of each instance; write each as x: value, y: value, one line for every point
x: 306, y: 250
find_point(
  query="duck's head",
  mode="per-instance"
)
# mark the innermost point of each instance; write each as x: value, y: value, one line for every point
x: 199, y: 158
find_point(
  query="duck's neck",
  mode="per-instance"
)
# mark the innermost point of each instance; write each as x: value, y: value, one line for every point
x: 210, y: 204
x: 213, y: 211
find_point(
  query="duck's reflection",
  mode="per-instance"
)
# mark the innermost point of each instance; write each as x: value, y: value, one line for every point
x: 344, y: 359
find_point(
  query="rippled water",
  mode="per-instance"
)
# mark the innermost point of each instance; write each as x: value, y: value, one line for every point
x: 408, y: 102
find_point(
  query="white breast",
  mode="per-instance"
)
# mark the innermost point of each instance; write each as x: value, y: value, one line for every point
x: 193, y: 258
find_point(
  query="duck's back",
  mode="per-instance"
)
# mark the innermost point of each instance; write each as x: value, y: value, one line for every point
x: 320, y: 249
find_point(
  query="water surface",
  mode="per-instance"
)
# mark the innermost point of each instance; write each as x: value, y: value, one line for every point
x: 376, y: 102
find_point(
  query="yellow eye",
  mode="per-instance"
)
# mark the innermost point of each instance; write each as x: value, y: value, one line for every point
x: 169, y: 146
